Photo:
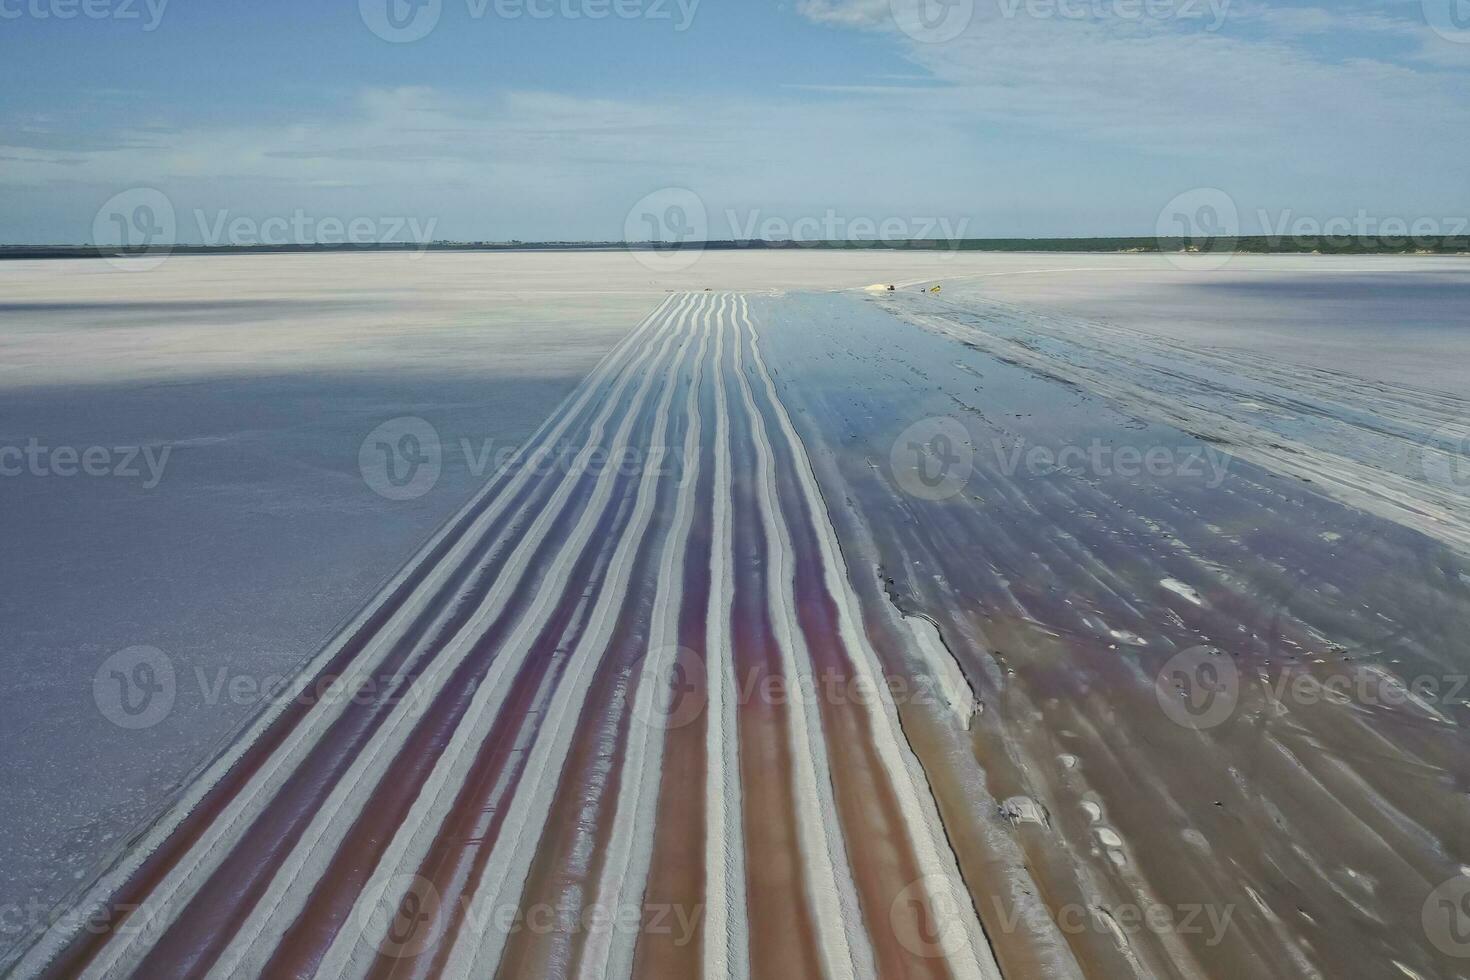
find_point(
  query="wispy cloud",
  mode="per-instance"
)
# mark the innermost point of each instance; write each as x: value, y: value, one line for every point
x: 1026, y: 124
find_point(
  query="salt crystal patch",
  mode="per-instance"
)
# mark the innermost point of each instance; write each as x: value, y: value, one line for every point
x: 1179, y: 588
x: 1023, y: 809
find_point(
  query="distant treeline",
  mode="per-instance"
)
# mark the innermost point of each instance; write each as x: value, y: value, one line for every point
x: 1253, y: 244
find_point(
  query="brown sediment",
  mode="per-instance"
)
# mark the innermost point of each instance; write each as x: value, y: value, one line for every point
x: 985, y: 871
x: 676, y: 876
x: 551, y: 916
x: 879, y: 850
x: 783, y: 934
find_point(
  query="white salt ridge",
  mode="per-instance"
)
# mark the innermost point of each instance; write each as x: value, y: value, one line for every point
x: 1180, y: 589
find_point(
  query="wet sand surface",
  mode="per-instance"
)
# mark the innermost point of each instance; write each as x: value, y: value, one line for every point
x: 1317, y: 802
x: 856, y: 635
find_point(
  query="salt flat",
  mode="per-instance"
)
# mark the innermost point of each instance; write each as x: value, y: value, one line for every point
x: 786, y: 541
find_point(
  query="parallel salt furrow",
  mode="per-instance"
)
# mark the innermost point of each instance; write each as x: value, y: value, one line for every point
x: 609, y: 952
x: 515, y: 846
x: 844, y: 946
x: 392, y: 730
x: 896, y: 914
x: 675, y: 877
x: 286, y: 898
x: 987, y: 852
x: 727, y: 939
x: 168, y: 899
x: 975, y: 959
x: 464, y: 843
x: 573, y: 848
x: 428, y: 812
x: 786, y: 936
x: 454, y: 541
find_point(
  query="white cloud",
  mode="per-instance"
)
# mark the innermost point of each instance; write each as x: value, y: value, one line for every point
x: 1026, y: 125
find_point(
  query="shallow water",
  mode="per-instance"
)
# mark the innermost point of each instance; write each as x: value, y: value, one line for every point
x: 1068, y: 594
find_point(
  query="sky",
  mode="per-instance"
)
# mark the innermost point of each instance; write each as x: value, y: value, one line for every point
x: 287, y: 120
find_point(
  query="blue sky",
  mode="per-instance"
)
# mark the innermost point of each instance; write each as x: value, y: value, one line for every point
x: 1033, y: 119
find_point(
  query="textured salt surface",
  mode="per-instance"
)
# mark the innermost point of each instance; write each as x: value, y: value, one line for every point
x: 1145, y: 568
